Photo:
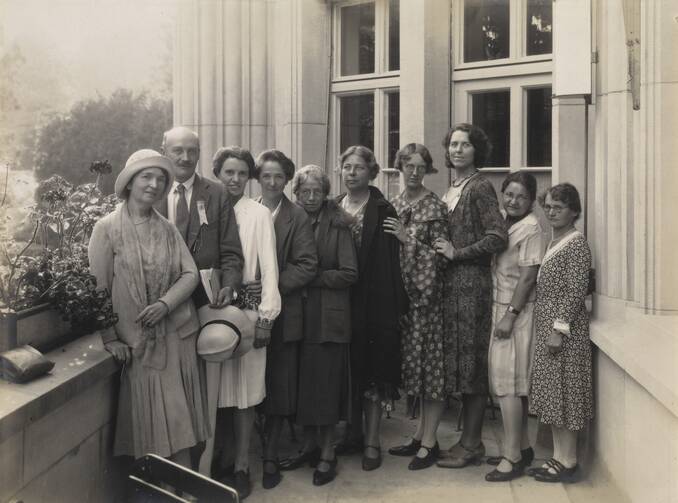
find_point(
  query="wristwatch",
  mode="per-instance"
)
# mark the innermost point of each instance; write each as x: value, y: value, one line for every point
x: 513, y: 310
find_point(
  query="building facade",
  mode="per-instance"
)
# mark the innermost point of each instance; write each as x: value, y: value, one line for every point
x: 584, y: 91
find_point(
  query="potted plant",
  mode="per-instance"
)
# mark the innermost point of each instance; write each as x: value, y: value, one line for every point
x: 46, y: 290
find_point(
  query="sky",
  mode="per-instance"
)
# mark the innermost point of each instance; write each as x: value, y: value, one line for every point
x: 92, y: 46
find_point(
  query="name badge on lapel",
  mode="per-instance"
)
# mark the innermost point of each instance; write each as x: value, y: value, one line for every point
x: 202, y: 214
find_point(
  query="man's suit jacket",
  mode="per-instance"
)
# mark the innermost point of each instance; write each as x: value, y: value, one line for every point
x: 217, y: 244
x: 298, y: 265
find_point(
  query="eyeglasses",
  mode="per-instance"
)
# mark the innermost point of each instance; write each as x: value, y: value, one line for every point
x: 306, y: 193
x: 555, y: 209
x: 421, y: 169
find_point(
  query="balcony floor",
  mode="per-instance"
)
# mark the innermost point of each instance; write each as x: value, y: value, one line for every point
x: 394, y: 482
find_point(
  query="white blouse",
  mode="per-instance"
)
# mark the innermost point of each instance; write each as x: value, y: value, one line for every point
x: 257, y: 237
x: 525, y: 248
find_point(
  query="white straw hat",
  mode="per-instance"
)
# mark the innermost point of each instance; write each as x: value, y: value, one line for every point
x: 225, y: 333
x: 140, y: 160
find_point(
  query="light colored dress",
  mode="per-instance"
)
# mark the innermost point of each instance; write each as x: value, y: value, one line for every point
x: 243, y: 381
x: 510, y: 360
x: 162, y: 407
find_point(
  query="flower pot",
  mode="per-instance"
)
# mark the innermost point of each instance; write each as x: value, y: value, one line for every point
x: 41, y: 327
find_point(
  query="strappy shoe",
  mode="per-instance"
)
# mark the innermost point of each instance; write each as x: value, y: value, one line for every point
x: 497, y: 476
x: 418, y: 463
x: 270, y: 480
x: 526, y: 455
x: 406, y: 449
x: 562, y: 474
x: 370, y: 464
x: 321, y: 478
x: 311, y: 457
x: 541, y: 469
x: 459, y: 456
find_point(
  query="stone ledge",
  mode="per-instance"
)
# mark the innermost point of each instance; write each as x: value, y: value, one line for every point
x: 78, y: 365
x: 644, y: 346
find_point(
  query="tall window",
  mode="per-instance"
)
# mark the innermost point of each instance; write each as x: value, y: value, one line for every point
x: 365, y: 101
x: 502, y: 80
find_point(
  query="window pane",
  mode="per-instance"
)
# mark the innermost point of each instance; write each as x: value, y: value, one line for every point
x: 539, y: 27
x: 486, y: 30
x: 394, y: 35
x: 393, y: 126
x: 492, y: 112
x: 357, y: 39
x: 357, y: 121
x: 539, y: 127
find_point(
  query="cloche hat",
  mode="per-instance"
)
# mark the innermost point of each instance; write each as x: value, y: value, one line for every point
x: 140, y: 160
x: 225, y: 333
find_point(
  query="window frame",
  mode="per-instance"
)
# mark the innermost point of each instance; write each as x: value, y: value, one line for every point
x: 380, y: 83
x: 517, y: 39
x: 518, y: 87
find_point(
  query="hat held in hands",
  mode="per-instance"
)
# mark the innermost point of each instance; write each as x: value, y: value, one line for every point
x: 225, y: 333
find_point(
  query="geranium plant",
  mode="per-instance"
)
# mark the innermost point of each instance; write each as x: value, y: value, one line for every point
x: 52, y: 266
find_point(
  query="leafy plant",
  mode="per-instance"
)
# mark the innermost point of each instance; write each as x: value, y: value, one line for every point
x: 52, y: 266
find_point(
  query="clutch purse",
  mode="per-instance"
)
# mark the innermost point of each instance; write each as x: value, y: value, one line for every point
x: 24, y: 364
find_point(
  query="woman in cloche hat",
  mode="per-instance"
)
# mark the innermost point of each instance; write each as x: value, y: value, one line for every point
x: 141, y: 258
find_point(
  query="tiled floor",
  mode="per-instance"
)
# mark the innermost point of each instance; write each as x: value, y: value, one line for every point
x: 393, y: 482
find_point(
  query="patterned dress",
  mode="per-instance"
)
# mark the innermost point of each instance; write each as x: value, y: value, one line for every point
x: 423, y: 371
x: 477, y: 231
x: 561, y: 393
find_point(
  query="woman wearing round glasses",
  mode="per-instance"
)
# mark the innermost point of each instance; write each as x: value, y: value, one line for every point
x: 421, y: 220
x: 561, y: 393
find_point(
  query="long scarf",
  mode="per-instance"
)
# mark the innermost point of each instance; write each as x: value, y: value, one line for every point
x: 163, y: 269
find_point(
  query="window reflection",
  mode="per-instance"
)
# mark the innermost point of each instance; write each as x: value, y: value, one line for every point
x: 394, y: 35
x: 486, y: 30
x: 357, y: 121
x: 393, y: 126
x: 357, y: 39
x: 539, y: 127
x: 539, y: 27
x: 492, y: 112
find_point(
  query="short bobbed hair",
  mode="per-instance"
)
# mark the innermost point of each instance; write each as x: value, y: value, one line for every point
x: 477, y: 137
x: 311, y: 172
x: 277, y: 156
x: 235, y: 152
x: 525, y: 179
x: 403, y: 155
x: 565, y: 193
x: 365, y: 154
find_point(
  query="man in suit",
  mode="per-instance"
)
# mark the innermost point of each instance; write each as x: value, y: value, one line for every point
x: 204, y: 216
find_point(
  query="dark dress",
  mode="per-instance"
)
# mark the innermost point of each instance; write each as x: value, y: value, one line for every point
x: 378, y: 300
x: 477, y: 231
x: 324, y: 366
x: 297, y: 265
x: 561, y: 393
x: 423, y: 371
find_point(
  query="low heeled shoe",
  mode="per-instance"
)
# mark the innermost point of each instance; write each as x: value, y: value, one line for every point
x: 406, y: 449
x: 418, y: 463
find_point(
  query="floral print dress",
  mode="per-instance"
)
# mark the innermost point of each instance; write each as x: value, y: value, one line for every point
x: 423, y: 371
x: 561, y: 393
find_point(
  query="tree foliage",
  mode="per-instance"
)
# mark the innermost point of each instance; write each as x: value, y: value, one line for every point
x: 103, y: 128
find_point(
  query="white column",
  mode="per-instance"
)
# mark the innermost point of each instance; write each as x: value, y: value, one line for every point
x: 425, y: 80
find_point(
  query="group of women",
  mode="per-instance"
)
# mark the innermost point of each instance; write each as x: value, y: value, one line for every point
x: 365, y: 298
